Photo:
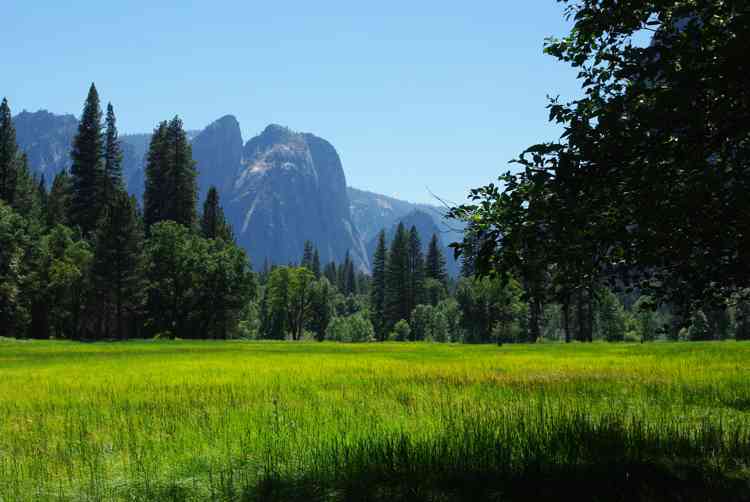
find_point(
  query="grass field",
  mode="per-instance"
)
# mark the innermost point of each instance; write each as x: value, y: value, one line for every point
x: 254, y: 421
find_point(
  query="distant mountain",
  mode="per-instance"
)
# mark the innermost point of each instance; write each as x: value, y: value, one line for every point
x: 46, y: 139
x: 426, y: 227
x: 217, y: 149
x: 372, y: 212
x: 292, y: 188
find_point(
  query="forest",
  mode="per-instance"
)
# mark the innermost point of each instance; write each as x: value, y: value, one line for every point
x: 83, y: 260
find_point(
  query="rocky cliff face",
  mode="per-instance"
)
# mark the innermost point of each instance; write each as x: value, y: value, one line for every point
x: 217, y: 150
x: 46, y: 139
x: 291, y: 188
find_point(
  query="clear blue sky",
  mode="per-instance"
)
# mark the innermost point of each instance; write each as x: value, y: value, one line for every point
x: 413, y: 94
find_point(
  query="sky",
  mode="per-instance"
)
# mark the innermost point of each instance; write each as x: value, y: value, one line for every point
x: 418, y: 97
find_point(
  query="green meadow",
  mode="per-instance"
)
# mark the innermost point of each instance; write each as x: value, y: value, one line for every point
x: 179, y: 420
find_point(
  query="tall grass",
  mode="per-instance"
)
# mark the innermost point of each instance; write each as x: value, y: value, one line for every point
x: 246, y: 421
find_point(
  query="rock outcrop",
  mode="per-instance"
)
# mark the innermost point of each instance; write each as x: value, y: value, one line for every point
x: 292, y: 188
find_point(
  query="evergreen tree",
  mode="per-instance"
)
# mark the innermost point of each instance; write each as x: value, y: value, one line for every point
x: 58, y: 201
x: 213, y: 223
x: 330, y: 273
x: 42, y: 197
x: 8, y: 154
x: 415, y: 275
x: 87, y: 168
x: 316, y: 264
x: 112, y: 176
x: 377, y: 294
x: 307, y: 256
x: 117, y: 261
x: 171, y: 189
x: 397, y: 279
x: 351, y: 279
x: 26, y: 198
x: 435, y: 262
x: 156, y: 190
x: 184, y: 175
x: 346, y: 279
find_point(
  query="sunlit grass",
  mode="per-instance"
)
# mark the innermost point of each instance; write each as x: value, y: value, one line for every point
x: 233, y: 420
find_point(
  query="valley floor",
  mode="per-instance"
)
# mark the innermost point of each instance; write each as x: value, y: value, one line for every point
x: 179, y: 420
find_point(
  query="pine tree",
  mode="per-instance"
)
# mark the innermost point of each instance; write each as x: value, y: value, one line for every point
x: 330, y: 273
x: 171, y: 189
x: 316, y: 264
x: 213, y: 223
x: 307, y: 256
x: 58, y: 201
x: 87, y: 167
x: 8, y: 154
x: 343, y: 275
x: 43, y: 196
x: 416, y: 271
x: 112, y: 176
x: 185, y: 187
x: 397, y: 279
x: 26, y: 194
x: 435, y: 262
x: 156, y: 192
x: 351, y: 279
x: 377, y: 294
x: 117, y: 260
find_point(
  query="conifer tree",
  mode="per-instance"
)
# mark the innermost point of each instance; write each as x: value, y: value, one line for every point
x: 26, y: 194
x: 112, y: 178
x: 171, y: 189
x: 8, y: 154
x: 397, y: 279
x: 87, y: 168
x: 58, y: 201
x: 316, y: 264
x: 416, y: 271
x: 213, y: 223
x: 351, y: 279
x: 307, y: 256
x: 117, y: 260
x: 43, y: 196
x: 185, y: 187
x: 156, y: 189
x: 330, y: 273
x: 343, y: 275
x: 435, y: 262
x: 377, y: 294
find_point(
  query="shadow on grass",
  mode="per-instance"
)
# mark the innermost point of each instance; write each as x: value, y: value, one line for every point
x: 645, y: 482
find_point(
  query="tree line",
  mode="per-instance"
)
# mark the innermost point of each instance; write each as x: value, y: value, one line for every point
x: 83, y: 260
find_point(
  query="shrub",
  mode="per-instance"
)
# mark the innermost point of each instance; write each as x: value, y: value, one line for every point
x: 401, y: 332
x: 353, y: 328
